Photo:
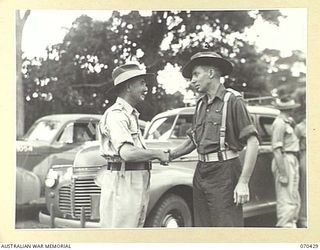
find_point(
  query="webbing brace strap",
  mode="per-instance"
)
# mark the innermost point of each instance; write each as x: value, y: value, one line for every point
x: 223, y: 121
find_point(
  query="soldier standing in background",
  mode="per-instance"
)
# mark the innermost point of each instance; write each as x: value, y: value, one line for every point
x: 300, y: 131
x: 285, y: 165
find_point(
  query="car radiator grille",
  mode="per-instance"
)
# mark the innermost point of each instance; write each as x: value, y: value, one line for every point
x: 84, y: 191
x: 65, y: 199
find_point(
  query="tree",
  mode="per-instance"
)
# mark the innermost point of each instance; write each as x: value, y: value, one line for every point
x: 76, y: 72
x: 20, y: 96
x: 285, y: 73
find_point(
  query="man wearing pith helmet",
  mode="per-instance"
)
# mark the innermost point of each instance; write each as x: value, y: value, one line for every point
x: 221, y: 128
x: 125, y: 179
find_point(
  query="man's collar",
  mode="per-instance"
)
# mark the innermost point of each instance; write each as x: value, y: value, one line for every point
x: 220, y: 94
x: 126, y: 105
x: 285, y: 117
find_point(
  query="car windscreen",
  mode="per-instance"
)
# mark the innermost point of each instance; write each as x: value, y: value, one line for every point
x: 161, y: 128
x: 43, y: 130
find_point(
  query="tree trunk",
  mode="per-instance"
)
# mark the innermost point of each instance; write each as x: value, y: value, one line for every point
x: 20, y: 114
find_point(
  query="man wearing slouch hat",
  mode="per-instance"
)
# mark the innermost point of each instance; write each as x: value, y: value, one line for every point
x: 125, y: 179
x: 285, y: 164
x: 221, y: 128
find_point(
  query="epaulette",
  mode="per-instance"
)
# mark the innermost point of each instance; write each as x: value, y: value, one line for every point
x: 234, y: 92
x: 116, y: 107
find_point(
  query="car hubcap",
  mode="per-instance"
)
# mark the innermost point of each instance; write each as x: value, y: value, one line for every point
x: 172, y: 220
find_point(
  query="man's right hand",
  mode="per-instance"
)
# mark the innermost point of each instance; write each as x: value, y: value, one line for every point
x: 283, y: 179
x: 164, y: 157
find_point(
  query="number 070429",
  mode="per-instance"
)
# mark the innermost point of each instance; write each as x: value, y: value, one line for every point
x: 309, y: 246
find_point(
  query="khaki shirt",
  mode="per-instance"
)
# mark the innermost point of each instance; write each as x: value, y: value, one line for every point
x: 207, y: 123
x: 283, y: 135
x: 119, y: 125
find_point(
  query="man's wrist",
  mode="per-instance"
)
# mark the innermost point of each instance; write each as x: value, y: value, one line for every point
x: 172, y: 154
x: 244, y: 179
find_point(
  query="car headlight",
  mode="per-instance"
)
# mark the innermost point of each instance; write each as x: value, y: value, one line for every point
x: 50, y: 183
x: 51, y: 179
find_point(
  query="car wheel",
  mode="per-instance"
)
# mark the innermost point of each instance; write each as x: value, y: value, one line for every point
x: 171, y: 211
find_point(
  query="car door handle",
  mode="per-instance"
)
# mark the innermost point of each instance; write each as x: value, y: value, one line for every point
x: 188, y: 158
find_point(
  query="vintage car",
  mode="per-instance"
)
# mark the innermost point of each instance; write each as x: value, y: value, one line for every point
x: 62, y: 134
x: 72, y: 196
x: 48, y: 136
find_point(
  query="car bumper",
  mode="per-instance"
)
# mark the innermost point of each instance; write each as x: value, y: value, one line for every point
x: 56, y: 222
x: 255, y: 209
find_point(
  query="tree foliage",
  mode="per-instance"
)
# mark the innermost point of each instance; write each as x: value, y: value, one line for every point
x: 76, y: 73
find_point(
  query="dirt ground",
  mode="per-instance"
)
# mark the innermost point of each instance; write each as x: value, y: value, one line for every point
x: 27, y: 218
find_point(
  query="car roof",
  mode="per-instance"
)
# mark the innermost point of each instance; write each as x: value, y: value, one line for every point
x: 265, y: 110
x: 70, y: 117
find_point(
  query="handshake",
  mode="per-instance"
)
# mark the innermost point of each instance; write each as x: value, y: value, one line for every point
x: 165, y: 157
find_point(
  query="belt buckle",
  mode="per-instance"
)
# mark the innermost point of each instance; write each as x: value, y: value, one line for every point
x: 220, y: 156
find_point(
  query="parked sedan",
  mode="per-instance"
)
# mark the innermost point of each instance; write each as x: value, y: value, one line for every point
x: 62, y: 134
x: 49, y: 135
x: 72, y: 196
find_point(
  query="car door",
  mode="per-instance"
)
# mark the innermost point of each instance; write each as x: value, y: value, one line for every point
x: 179, y: 134
x: 72, y: 137
x: 262, y: 191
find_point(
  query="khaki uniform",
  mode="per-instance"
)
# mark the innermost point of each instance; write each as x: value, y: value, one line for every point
x: 300, y: 130
x: 288, y: 198
x: 124, y: 193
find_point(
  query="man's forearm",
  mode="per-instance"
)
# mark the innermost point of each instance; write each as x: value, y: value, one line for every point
x: 134, y: 154
x: 185, y: 148
x: 278, y: 157
x: 250, y: 159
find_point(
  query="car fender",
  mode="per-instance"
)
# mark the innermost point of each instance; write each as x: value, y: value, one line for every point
x: 28, y: 186
x: 172, y: 178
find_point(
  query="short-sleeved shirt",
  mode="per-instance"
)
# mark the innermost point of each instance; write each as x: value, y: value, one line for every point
x: 208, y: 118
x: 300, y: 131
x: 283, y: 135
x: 119, y: 125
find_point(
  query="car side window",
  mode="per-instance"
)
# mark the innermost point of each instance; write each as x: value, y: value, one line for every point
x: 78, y: 133
x: 265, y: 123
x: 184, y: 122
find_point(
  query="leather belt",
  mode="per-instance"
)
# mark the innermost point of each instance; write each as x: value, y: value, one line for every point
x: 218, y: 156
x: 129, y: 166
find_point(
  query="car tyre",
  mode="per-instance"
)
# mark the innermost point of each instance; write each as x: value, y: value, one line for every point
x: 171, y: 211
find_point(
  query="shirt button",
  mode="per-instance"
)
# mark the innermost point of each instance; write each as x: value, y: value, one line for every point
x: 215, y: 123
x: 207, y: 110
x: 217, y: 110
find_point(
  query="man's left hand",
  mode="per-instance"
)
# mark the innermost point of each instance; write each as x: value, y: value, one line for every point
x: 241, y: 193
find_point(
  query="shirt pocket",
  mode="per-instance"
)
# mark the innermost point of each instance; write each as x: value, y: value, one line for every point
x: 212, y: 128
x: 133, y: 128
